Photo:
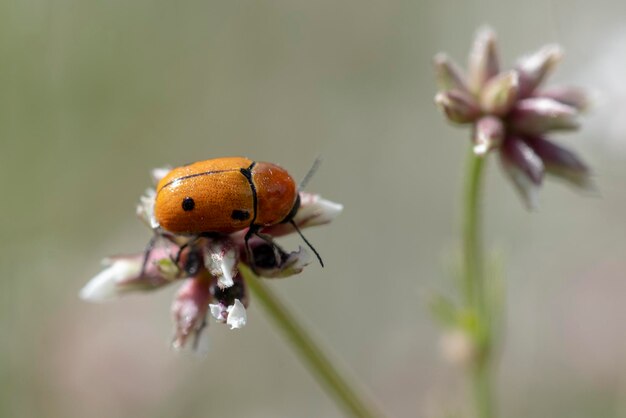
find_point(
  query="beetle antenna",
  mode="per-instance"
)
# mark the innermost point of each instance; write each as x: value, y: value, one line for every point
x: 309, y: 174
x: 307, y: 242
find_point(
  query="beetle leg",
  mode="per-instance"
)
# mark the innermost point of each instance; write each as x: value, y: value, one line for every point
x: 251, y: 231
x: 146, y: 254
x: 278, y: 250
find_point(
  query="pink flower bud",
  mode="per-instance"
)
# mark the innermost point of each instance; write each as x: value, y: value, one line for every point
x: 571, y: 96
x: 123, y: 274
x: 458, y: 106
x: 537, y: 115
x: 483, y: 59
x: 190, y: 308
x: 536, y: 67
x: 500, y: 93
x: 524, y: 167
x: 561, y: 162
x: 449, y: 75
x: 488, y: 135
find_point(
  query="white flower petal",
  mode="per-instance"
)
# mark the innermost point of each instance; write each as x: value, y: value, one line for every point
x: 145, y: 208
x: 315, y: 210
x: 217, y: 311
x: 237, y: 316
x: 158, y: 173
x: 221, y: 258
x: 105, y: 285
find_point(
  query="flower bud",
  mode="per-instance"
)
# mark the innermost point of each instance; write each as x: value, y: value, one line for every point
x: 536, y: 67
x: 449, y: 75
x: 458, y: 106
x: 561, y: 162
x: 537, y: 115
x: 489, y: 134
x: 524, y: 167
x: 500, y: 93
x: 123, y: 274
x: 190, y: 308
x: 571, y: 96
x: 483, y: 59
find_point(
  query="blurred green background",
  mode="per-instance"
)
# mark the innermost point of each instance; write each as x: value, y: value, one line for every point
x: 94, y: 94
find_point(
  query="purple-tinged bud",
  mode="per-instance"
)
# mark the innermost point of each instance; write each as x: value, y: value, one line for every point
x: 124, y: 274
x: 458, y: 106
x: 488, y: 134
x: 190, y: 308
x: 500, y: 93
x: 534, y: 68
x: 562, y: 162
x: 537, y: 115
x: 571, y: 96
x: 524, y: 168
x: 449, y: 75
x: 483, y: 59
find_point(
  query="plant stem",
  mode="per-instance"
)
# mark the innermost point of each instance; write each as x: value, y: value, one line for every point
x: 317, y: 362
x: 474, y: 288
x: 472, y: 240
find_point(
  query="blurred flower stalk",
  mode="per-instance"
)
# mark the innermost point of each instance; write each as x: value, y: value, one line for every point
x: 509, y: 114
x: 215, y: 276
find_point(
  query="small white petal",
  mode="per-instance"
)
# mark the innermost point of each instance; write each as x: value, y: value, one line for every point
x: 226, y: 280
x: 104, y: 286
x: 237, y: 316
x: 221, y: 259
x: 158, y: 173
x: 315, y: 210
x: 145, y: 208
x: 217, y: 311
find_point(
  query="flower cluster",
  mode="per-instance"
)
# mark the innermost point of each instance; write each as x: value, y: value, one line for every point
x: 509, y: 112
x: 206, y: 267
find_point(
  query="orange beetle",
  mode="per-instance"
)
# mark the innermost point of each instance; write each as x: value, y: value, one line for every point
x: 226, y: 195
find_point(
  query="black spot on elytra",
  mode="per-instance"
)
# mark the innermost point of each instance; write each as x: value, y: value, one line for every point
x: 188, y: 204
x: 240, y: 215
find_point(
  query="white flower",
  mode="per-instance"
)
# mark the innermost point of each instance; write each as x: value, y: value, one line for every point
x: 234, y: 315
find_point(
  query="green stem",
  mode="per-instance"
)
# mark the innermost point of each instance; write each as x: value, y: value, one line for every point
x: 472, y: 242
x: 318, y: 363
x: 474, y: 288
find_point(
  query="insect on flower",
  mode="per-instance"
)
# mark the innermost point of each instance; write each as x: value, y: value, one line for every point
x: 208, y: 218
